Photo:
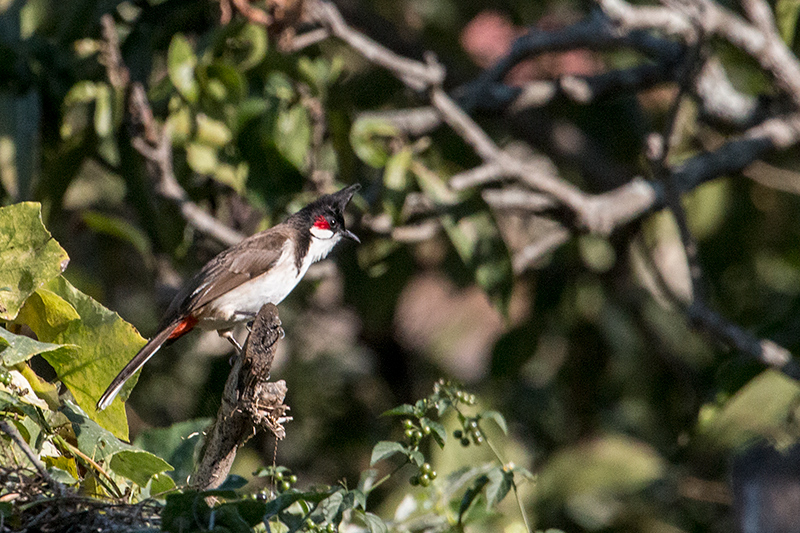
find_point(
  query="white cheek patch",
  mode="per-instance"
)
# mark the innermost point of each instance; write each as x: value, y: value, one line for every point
x: 321, y: 233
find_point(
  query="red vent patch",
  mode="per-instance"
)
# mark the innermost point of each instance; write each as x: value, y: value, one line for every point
x: 185, y: 326
x: 322, y: 223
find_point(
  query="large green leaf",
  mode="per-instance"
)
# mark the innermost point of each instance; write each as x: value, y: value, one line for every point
x: 103, y: 344
x: 138, y: 466
x: 29, y: 256
x: 762, y: 408
x: 93, y: 440
x: 15, y: 349
x: 590, y: 478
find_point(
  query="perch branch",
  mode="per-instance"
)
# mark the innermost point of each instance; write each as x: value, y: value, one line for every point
x: 250, y: 402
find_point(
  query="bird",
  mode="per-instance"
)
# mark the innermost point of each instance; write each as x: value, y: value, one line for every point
x: 233, y: 286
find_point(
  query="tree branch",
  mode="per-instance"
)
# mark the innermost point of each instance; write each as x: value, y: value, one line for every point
x: 250, y: 402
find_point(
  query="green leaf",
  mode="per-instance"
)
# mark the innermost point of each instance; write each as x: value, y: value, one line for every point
x: 30, y: 258
x: 395, y: 175
x: 212, y: 132
x: 599, y: 471
x: 786, y: 12
x: 288, y: 498
x: 438, y: 432
x: 176, y: 444
x: 475, y: 238
x: 233, y: 482
x: 120, y: 228
x: 500, y: 482
x: 332, y: 507
x: 369, y: 138
x: 365, y: 484
x: 470, y: 495
x: 373, y: 522
x: 47, y: 314
x: 93, y: 440
x: 21, y: 348
x: 498, y: 418
x: 292, y: 135
x: 103, y: 344
x: 103, y: 111
x: 181, y: 62
x: 759, y: 409
x: 201, y: 158
x: 404, y: 409
x: 9, y: 402
x: 222, y: 83
x: 384, y: 449
x: 138, y: 466
x: 184, y: 512
x: 416, y: 457
x: 161, y: 483
x: 250, y: 45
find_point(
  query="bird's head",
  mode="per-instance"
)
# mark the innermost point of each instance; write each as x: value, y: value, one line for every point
x: 326, y: 215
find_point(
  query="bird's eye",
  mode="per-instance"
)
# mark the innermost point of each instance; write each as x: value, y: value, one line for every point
x: 332, y: 222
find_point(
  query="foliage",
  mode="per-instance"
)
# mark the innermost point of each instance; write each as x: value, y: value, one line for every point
x: 608, y: 392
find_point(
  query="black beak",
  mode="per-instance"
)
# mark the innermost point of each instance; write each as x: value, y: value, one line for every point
x: 350, y: 235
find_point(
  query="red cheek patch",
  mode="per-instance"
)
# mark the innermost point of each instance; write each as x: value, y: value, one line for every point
x: 321, y: 223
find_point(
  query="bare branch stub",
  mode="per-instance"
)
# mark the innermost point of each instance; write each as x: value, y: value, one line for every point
x: 249, y: 402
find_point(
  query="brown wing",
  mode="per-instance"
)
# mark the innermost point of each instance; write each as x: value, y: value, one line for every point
x: 232, y: 267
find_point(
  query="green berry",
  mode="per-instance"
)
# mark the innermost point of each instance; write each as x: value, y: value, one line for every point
x: 426, y: 430
x: 330, y: 528
x: 432, y: 474
x: 5, y: 377
x: 292, y: 479
x: 309, y: 524
x: 477, y: 439
x: 285, y: 485
x: 417, y: 435
x: 408, y: 424
x: 409, y: 433
x: 278, y: 476
x: 426, y: 468
x: 473, y: 424
x: 424, y: 480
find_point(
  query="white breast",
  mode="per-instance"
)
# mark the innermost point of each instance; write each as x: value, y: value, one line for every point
x: 244, y: 302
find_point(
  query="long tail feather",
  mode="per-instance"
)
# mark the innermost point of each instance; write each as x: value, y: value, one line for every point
x: 138, y: 362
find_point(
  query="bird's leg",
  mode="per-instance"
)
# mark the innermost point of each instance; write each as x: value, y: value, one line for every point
x: 228, y: 334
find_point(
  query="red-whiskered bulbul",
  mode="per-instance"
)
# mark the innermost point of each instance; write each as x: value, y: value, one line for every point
x: 232, y: 287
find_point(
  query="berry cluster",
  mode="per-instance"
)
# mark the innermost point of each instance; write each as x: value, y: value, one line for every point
x: 424, y: 477
x: 5, y: 376
x: 284, y: 482
x: 471, y: 430
x: 313, y: 527
x: 414, y: 432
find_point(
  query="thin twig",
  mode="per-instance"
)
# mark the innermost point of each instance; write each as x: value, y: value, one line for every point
x: 662, y: 145
x: 154, y: 144
x: 12, y: 432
